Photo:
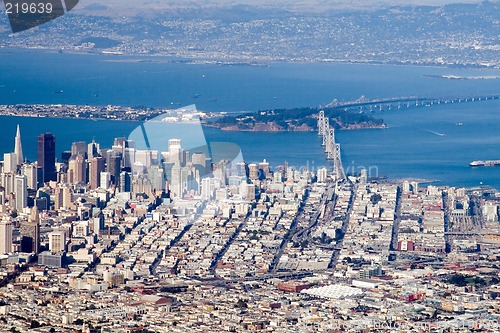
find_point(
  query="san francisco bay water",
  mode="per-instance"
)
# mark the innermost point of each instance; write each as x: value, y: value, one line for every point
x: 433, y: 143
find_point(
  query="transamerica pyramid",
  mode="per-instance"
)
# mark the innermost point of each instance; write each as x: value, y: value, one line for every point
x: 18, y: 148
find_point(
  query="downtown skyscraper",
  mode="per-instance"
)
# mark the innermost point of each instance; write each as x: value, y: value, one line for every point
x: 21, y: 192
x: 5, y: 236
x: 18, y: 148
x: 47, y: 156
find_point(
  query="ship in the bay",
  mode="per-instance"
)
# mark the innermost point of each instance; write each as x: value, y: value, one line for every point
x: 484, y: 163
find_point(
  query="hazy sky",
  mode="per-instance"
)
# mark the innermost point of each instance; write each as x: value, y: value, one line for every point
x: 135, y: 6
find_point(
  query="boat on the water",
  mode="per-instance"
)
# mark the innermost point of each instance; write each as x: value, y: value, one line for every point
x: 484, y: 163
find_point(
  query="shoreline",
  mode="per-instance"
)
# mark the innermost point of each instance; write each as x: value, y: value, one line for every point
x: 203, y: 124
x: 256, y: 62
x: 294, y: 131
x: 390, y: 178
x: 69, y: 118
x: 134, y: 115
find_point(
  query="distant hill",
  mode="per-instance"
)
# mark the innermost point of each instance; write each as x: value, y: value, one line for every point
x: 454, y: 35
x: 225, y: 9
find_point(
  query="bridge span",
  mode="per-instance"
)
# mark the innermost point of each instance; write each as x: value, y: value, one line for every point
x: 365, y: 104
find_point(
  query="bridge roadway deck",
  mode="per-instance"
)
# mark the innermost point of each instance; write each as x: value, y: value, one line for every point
x: 415, y: 101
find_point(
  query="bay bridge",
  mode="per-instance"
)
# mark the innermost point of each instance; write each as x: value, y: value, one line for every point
x: 364, y: 104
x: 460, y: 227
x: 332, y: 149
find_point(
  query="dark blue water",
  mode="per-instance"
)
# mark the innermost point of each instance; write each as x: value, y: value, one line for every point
x: 434, y: 143
x: 33, y: 77
x: 421, y: 143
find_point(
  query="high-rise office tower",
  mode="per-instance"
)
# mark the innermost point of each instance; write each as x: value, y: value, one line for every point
x: 67, y: 196
x: 30, y: 233
x: 129, y: 157
x: 105, y: 153
x: 206, y: 189
x: 5, y: 236
x: 185, y: 179
x: 264, y: 166
x: 81, y: 169
x: 77, y: 172
x: 29, y: 242
x: 130, y: 144
x: 157, y: 178
x: 105, y: 180
x: 93, y: 149
x: 47, y: 156
x: 9, y: 162
x: 30, y: 171
x: 322, y: 175
x: 363, y: 178
x: 39, y: 176
x: 119, y: 145
x: 145, y: 158
x: 97, y: 165
x: 65, y: 156
x: 174, y: 151
x: 175, y: 181
x: 71, y: 170
x: 155, y: 157
x: 141, y: 184
x: 199, y: 158
x: 167, y: 170
x: 79, y: 147
x: 125, y: 182
x: 18, y: 147
x: 58, y: 198
x: 120, y: 142
x: 80, y: 229
x: 138, y: 169
x: 63, y: 196
x: 42, y: 203
x: 201, y: 163
x: 249, y: 191
x: 3, y: 195
x: 8, y: 181
x: 57, y: 241
x: 114, y: 166
x: 253, y: 171
x: 98, y: 223
x: 21, y: 192
x: 196, y: 181
x: 242, y: 169
x: 220, y: 171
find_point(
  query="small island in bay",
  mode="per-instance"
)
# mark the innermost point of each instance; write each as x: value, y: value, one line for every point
x: 293, y: 120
